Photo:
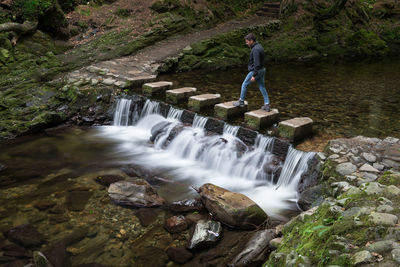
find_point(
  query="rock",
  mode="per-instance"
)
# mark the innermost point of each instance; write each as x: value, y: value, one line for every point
x: 368, y: 168
x: 275, y: 243
x: 396, y: 255
x: 373, y: 188
x: 357, y: 211
x: 57, y: 255
x: 392, y: 191
x: 44, y: 204
x: 179, y: 255
x: 186, y: 205
x: 345, y: 168
x: 13, y: 250
x: 233, y: 209
x: 378, y: 166
x: 369, y: 177
x: 136, y: 193
x: 310, y: 197
x: 369, y: 157
x: 383, y: 246
x: 2, y: 167
x: 295, y: 129
x: 25, y: 235
x: 77, y: 200
x: 205, y: 234
x: 147, y: 216
x: 176, y: 224
x: 255, y: 251
x: 361, y: 257
x: 109, y: 81
x: 159, y: 128
x: 385, y: 219
x: 384, y: 208
x: 108, y: 179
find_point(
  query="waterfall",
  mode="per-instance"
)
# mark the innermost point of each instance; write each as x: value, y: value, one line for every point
x: 295, y: 165
x: 199, y: 121
x: 150, y: 107
x: 265, y: 143
x: 122, y: 112
x: 230, y: 130
x: 174, y: 113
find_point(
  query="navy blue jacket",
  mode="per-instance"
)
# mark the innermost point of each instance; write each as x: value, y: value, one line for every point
x: 256, y: 60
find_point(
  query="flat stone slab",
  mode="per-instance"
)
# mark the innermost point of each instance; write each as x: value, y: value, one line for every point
x: 199, y: 102
x: 140, y: 80
x: 295, y: 129
x: 151, y: 88
x: 176, y: 96
x: 258, y: 119
x: 228, y: 110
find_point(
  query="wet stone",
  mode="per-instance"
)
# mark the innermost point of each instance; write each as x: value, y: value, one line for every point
x: 199, y: 102
x: 176, y: 224
x: 77, y: 200
x: 186, y: 205
x: 25, y: 235
x: 147, y: 216
x: 227, y: 110
x: 259, y: 119
x: 108, y: 179
x: 205, y: 234
x: 179, y: 95
x: 179, y: 254
x: 295, y: 129
x: 44, y: 204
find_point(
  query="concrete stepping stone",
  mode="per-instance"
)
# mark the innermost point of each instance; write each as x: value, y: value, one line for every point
x: 176, y: 96
x: 199, y: 102
x: 227, y: 110
x: 138, y: 81
x: 152, y: 88
x: 295, y: 129
x: 258, y: 119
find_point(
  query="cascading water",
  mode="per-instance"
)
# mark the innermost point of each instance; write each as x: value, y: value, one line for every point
x: 122, y: 112
x: 188, y: 155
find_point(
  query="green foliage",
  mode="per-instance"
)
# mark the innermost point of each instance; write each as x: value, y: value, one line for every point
x: 31, y: 9
x: 368, y: 43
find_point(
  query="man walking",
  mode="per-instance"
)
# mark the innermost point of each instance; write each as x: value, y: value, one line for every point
x: 256, y: 72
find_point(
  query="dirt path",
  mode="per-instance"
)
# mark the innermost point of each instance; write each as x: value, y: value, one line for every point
x: 144, y: 63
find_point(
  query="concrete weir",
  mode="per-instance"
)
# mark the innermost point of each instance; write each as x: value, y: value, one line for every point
x: 199, y: 102
x: 295, y: 129
x: 151, y: 88
x: 259, y: 119
x: 179, y: 95
x: 227, y: 110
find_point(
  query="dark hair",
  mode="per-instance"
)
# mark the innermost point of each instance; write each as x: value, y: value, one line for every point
x: 250, y: 36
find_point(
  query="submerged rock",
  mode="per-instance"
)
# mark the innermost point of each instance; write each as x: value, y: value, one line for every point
x: 136, y: 193
x: 256, y: 250
x: 233, y: 209
x: 25, y: 235
x: 77, y: 200
x: 176, y: 224
x: 179, y: 255
x: 186, y: 205
x: 205, y: 234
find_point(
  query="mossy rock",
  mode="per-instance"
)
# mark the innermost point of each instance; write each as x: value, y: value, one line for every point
x: 367, y: 43
x: 389, y: 178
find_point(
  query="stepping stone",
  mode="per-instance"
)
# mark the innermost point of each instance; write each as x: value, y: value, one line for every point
x: 176, y: 96
x: 295, y: 129
x: 198, y: 102
x: 140, y: 80
x: 227, y: 110
x: 258, y: 119
x: 152, y: 88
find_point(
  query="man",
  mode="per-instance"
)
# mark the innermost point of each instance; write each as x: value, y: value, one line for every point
x: 256, y: 72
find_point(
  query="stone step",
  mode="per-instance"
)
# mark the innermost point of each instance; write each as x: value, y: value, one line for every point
x: 227, y: 110
x: 267, y: 14
x: 295, y: 129
x: 199, y: 102
x: 152, y: 88
x: 138, y: 81
x: 259, y: 119
x: 271, y: 9
x: 176, y: 96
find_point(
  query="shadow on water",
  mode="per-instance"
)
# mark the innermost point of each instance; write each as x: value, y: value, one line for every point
x: 344, y: 99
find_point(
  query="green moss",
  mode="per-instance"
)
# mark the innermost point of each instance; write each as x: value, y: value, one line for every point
x: 389, y: 178
x: 368, y: 43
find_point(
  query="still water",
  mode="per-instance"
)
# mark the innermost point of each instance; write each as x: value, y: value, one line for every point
x: 343, y: 99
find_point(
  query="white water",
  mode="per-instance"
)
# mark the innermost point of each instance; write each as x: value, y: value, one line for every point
x: 193, y: 158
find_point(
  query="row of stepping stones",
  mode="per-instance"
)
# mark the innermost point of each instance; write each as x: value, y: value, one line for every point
x: 293, y: 129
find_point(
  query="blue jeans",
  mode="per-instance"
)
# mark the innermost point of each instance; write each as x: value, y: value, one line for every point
x: 261, y: 85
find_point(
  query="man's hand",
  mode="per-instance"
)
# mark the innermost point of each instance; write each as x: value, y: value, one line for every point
x: 253, y: 79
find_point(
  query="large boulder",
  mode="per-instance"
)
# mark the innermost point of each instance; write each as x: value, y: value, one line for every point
x: 205, y: 234
x: 233, y: 209
x: 136, y: 193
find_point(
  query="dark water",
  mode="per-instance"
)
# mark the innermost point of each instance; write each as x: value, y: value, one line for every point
x: 345, y: 99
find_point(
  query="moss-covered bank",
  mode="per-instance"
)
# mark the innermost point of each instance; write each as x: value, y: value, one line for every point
x: 309, y: 30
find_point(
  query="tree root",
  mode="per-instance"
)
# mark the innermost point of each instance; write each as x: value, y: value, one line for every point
x: 18, y: 29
